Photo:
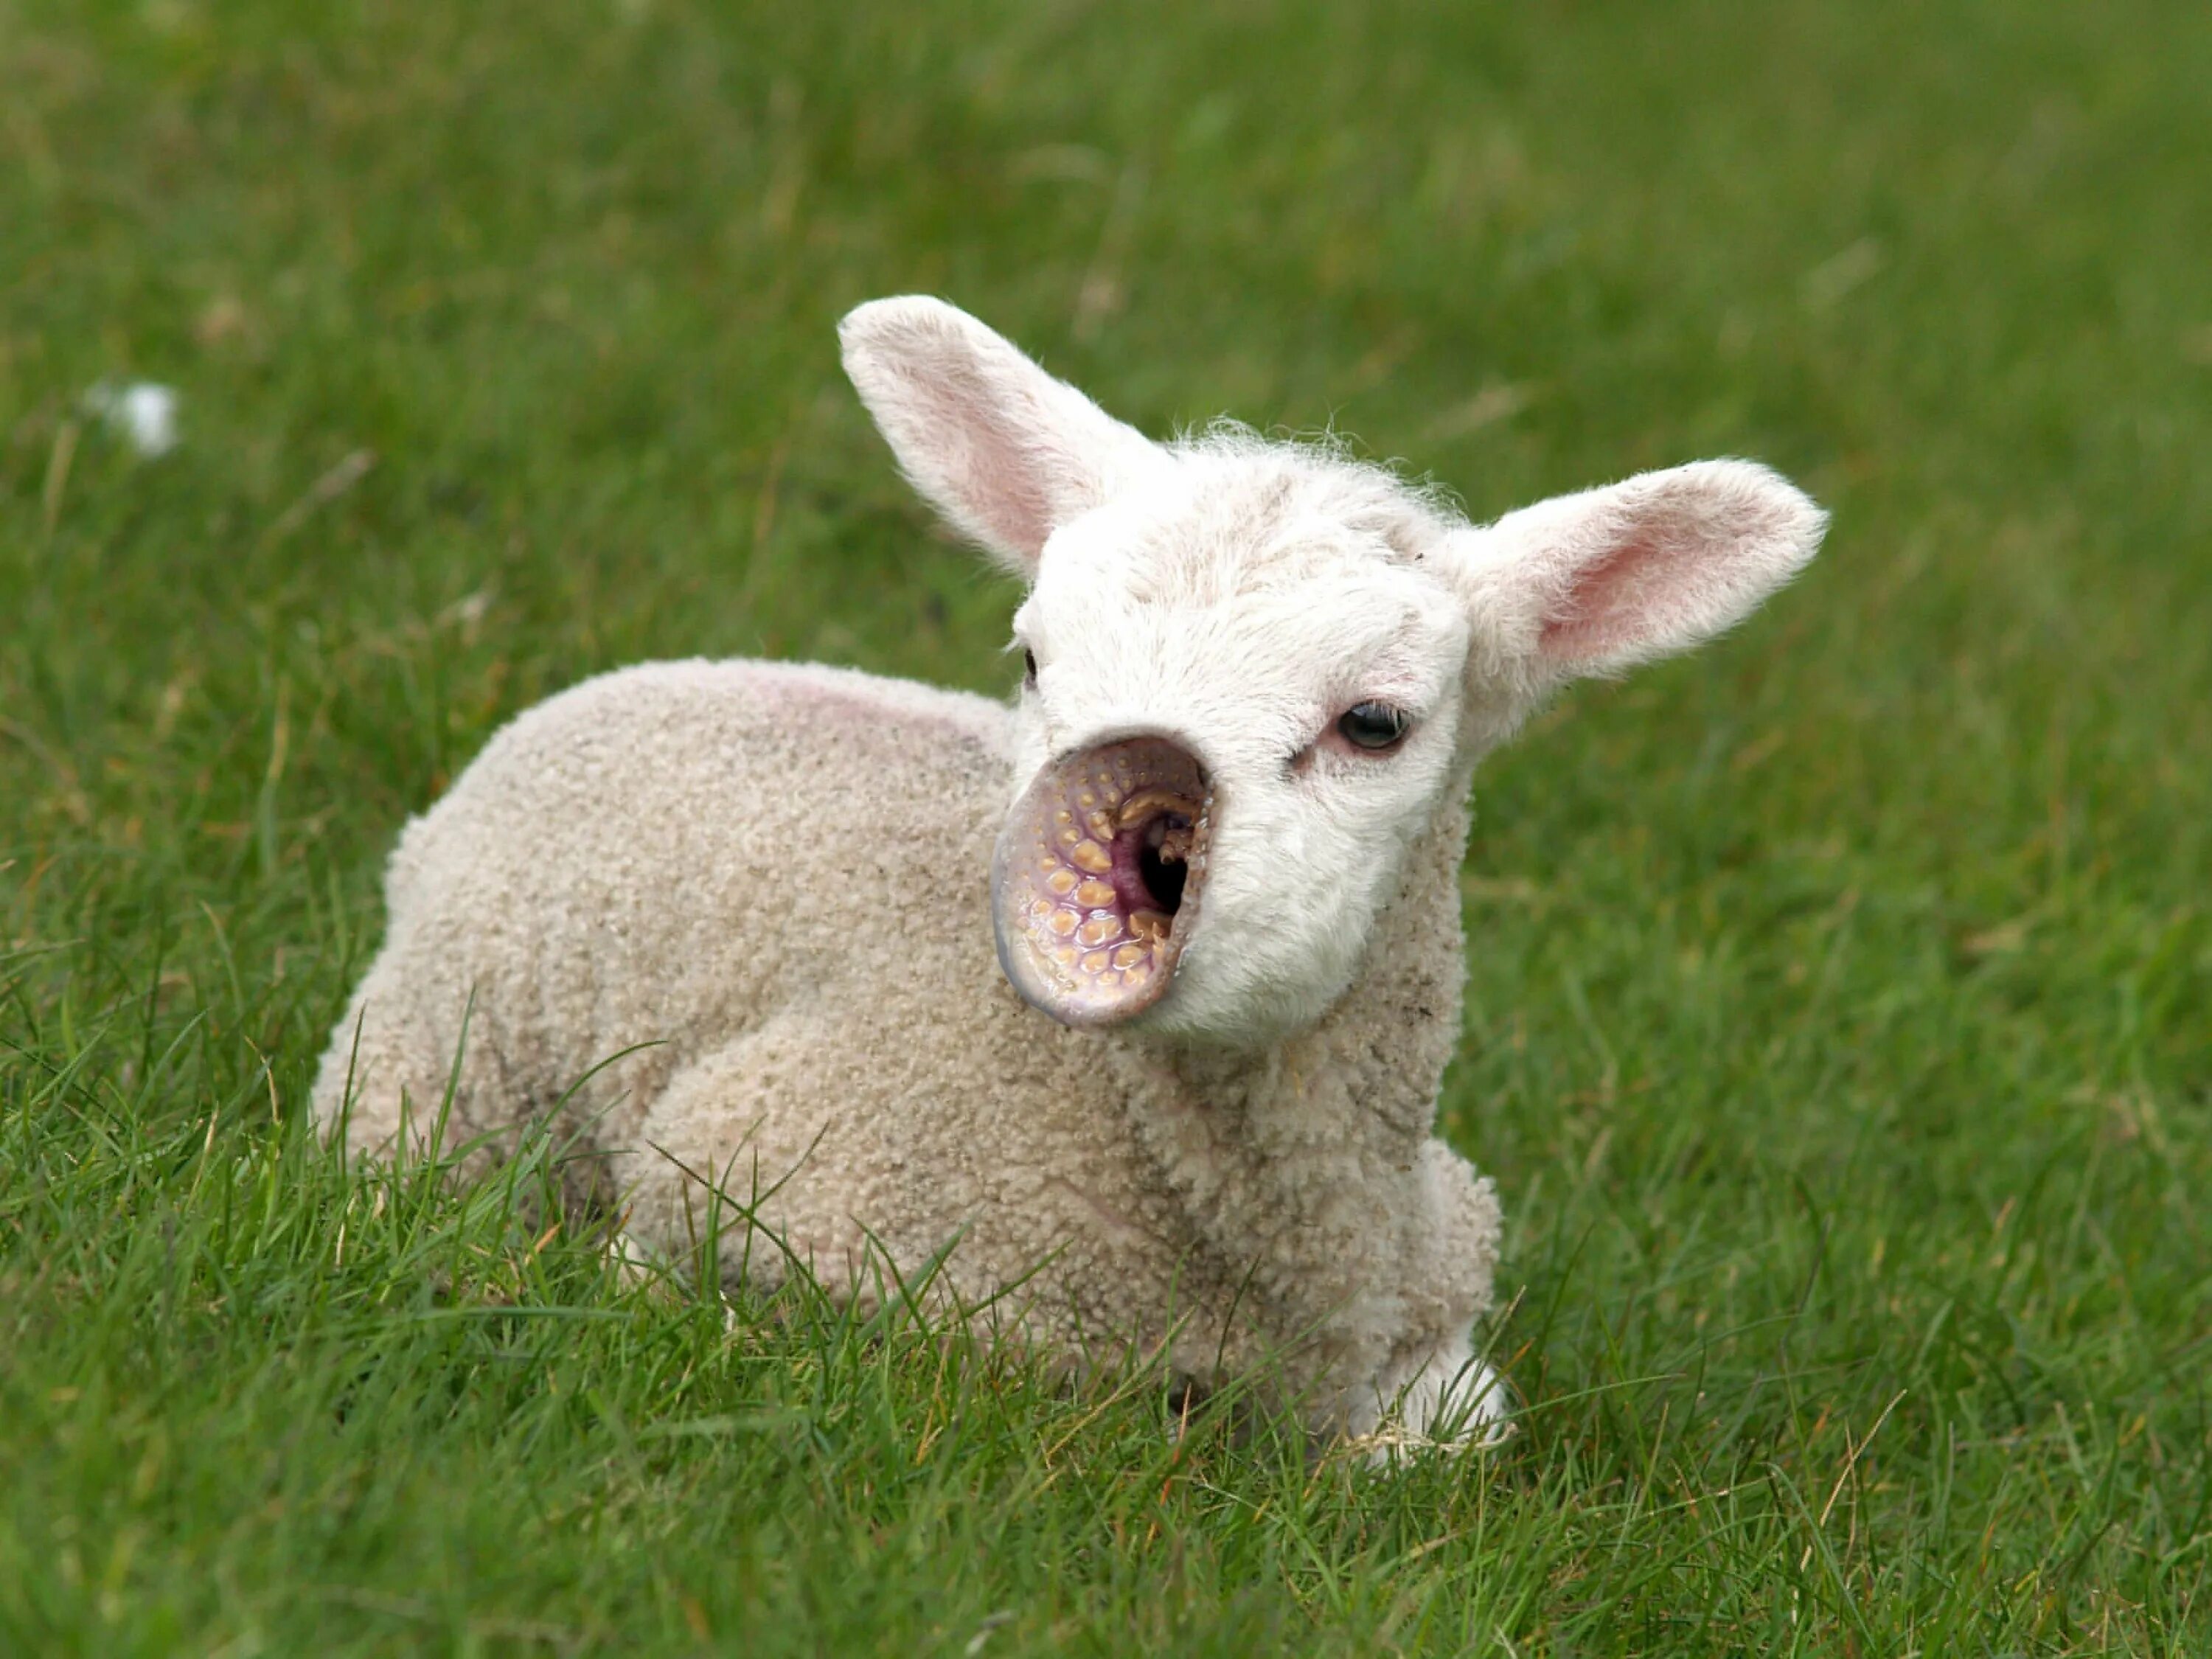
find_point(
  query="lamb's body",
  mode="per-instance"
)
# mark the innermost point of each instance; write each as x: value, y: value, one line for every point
x: 778, y: 876
x: 1265, y: 666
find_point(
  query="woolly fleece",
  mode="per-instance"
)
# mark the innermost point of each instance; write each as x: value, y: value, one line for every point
x: 776, y: 876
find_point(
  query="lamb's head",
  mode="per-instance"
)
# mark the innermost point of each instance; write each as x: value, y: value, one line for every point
x: 1252, y: 671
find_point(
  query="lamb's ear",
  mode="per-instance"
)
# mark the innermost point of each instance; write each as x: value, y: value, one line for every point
x: 1597, y: 582
x: 1003, y: 450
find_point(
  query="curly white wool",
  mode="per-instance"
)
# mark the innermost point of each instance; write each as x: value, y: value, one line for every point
x: 776, y: 875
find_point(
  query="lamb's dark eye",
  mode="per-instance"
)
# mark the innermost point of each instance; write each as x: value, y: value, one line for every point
x: 1029, y: 668
x: 1373, y: 725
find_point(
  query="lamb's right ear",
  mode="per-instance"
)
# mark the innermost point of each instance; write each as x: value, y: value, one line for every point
x: 1597, y: 582
x: 1004, y: 451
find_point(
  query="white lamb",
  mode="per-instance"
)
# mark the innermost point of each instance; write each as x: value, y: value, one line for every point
x: 1187, y: 1104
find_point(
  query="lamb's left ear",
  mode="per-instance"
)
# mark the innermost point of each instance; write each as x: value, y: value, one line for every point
x: 1003, y: 450
x: 1597, y: 582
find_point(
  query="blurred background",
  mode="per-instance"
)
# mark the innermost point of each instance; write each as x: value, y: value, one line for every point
x: 1852, y: 979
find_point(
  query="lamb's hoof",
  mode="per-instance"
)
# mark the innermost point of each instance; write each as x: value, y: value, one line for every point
x: 1471, y: 1412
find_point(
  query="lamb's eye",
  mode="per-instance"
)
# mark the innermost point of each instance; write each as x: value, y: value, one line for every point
x: 1373, y: 725
x: 1029, y: 668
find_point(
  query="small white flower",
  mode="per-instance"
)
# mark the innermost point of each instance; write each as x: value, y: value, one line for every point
x: 144, y: 412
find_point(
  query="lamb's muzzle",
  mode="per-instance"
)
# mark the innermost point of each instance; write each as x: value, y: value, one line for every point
x: 1094, y: 887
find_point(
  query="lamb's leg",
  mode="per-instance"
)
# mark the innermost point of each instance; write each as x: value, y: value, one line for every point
x: 744, y: 1145
x: 1451, y: 1402
x: 1440, y: 1392
x: 396, y: 1082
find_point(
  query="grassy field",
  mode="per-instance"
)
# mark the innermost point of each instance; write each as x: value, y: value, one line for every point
x: 1840, y: 1015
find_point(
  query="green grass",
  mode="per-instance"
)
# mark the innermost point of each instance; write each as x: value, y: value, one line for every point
x: 1840, y: 1015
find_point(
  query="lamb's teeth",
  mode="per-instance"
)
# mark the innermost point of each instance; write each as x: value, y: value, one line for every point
x: 1089, y: 855
x: 1128, y: 956
x: 1092, y: 895
x: 1062, y: 881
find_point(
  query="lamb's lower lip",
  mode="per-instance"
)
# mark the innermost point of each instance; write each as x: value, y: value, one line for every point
x: 1081, y: 935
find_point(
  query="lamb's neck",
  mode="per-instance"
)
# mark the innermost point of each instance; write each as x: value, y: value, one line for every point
x: 1301, y: 1165
x: 1368, y: 1069
x: 1305, y: 1131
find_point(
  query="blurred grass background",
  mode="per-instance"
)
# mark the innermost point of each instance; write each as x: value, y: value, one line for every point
x: 1837, y: 1027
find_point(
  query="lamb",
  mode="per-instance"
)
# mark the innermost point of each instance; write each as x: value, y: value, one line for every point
x: 1170, y: 1068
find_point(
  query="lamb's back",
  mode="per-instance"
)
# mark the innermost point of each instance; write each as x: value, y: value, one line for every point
x: 666, y: 853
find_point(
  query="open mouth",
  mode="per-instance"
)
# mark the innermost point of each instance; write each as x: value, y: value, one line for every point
x: 1096, y: 879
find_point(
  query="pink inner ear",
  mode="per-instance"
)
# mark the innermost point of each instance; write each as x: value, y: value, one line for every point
x: 995, y: 474
x: 1655, y: 564
x: 1593, y: 617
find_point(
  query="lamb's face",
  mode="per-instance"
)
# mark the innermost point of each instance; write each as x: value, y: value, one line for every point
x: 1258, y: 668
x: 1245, y: 706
